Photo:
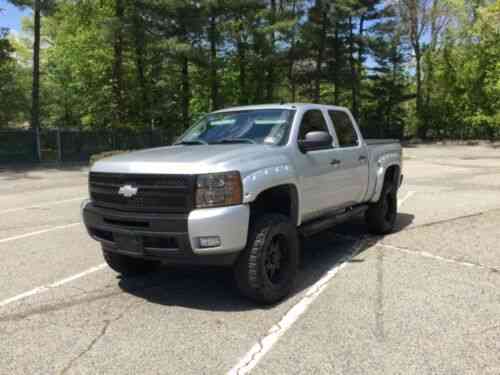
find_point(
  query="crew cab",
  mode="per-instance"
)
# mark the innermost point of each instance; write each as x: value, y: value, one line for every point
x: 238, y: 189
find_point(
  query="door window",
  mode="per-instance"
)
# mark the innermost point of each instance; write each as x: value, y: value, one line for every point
x: 346, y: 133
x: 312, y: 121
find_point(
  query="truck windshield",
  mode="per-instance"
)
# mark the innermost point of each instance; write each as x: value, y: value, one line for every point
x: 263, y: 126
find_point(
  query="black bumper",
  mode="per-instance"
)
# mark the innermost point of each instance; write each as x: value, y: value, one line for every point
x: 161, y: 237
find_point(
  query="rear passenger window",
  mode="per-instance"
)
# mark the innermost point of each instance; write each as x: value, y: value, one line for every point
x: 346, y: 134
x: 312, y: 121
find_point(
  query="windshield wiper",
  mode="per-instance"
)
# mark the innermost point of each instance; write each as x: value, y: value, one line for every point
x: 193, y: 142
x: 236, y: 140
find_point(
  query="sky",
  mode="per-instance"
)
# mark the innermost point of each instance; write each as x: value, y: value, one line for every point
x: 10, y: 16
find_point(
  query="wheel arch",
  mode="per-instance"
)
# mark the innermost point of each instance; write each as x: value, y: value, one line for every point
x: 283, y: 199
x: 390, y: 171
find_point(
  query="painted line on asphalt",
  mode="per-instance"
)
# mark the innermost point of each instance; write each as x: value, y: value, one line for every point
x: 31, y: 234
x: 45, y: 288
x: 248, y: 362
x: 426, y: 254
x: 405, y: 198
x: 265, y: 344
x: 41, y: 205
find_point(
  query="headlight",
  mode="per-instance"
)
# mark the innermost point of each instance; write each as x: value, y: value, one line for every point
x: 218, y: 189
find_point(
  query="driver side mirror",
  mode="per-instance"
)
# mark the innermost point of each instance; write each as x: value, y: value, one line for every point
x: 316, y: 140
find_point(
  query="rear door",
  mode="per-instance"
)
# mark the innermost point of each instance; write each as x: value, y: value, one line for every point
x: 351, y: 173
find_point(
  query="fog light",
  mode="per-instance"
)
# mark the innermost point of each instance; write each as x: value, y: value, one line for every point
x: 213, y: 241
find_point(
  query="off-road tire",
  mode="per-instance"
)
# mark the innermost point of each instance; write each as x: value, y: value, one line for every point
x: 253, y: 271
x: 381, y: 216
x: 128, y: 266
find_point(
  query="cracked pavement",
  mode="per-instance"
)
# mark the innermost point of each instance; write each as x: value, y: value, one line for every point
x: 424, y: 300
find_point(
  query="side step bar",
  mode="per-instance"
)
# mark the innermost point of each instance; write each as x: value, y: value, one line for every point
x: 321, y: 224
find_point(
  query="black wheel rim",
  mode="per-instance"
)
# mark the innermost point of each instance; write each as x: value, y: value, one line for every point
x: 277, y: 259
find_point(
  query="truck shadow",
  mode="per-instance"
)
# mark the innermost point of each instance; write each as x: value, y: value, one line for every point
x: 213, y: 289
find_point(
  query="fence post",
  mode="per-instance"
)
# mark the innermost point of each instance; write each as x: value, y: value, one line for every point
x: 59, y: 146
x: 38, y: 146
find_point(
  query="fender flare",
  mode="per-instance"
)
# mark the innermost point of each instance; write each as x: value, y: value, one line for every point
x: 267, y: 178
x: 380, y: 177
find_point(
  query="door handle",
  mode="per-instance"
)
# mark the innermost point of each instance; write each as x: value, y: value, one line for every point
x: 362, y: 158
x: 335, y: 162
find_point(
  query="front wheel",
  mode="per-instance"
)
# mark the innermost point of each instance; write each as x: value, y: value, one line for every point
x: 267, y: 268
x: 381, y: 216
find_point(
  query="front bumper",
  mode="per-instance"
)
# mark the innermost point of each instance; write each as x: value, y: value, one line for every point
x: 173, y: 238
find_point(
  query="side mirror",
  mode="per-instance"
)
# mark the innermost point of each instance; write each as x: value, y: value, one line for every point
x: 317, y: 140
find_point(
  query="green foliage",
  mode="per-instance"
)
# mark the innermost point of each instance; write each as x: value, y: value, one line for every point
x: 163, y: 63
x: 465, y: 98
x: 13, y: 100
x: 77, y: 88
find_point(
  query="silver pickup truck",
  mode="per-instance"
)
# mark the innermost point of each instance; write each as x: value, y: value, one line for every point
x: 239, y: 188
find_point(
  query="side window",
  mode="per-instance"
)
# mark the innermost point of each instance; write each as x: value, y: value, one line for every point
x: 312, y: 120
x: 345, y: 130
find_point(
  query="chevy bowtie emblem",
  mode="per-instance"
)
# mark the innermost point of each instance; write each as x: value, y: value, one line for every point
x: 128, y: 191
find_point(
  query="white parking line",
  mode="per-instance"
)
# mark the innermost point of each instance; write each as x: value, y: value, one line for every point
x: 407, y: 196
x: 8, y: 239
x: 259, y: 349
x: 264, y: 345
x: 45, y: 288
x: 46, y: 204
x: 426, y: 254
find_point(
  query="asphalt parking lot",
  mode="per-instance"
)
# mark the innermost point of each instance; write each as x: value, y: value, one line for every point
x: 424, y: 300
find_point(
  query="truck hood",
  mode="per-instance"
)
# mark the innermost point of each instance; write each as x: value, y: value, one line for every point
x: 196, y: 159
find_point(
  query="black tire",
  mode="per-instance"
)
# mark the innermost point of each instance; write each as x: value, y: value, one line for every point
x: 128, y: 266
x: 381, y: 216
x: 266, y: 270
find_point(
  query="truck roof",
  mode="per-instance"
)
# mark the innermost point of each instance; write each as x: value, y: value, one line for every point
x: 281, y: 106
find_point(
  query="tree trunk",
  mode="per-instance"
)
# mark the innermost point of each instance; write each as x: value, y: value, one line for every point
x: 291, y: 59
x: 35, y: 93
x: 422, y: 131
x: 140, y: 50
x: 354, y: 77
x: 321, y: 51
x: 336, y: 81
x: 214, y: 85
x: 428, y: 60
x: 117, y: 74
x: 242, y: 71
x: 359, y: 75
x: 270, y: 68
x: 291, y: 76
x: 186, y: 92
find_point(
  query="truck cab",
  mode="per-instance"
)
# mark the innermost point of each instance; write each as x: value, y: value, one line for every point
x: 238, y: 189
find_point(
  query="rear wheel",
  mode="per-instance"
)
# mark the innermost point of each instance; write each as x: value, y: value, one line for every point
x: 128, y: 266
x: 267, y: 268
x: 381, y: 216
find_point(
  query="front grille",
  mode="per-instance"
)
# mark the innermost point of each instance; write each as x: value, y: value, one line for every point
x: 155, y: 194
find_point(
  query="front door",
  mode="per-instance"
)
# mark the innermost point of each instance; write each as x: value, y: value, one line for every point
x: 316, y: 169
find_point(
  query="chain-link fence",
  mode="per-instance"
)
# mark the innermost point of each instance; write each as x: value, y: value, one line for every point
x: 74, y: 146
x: 17, y: 146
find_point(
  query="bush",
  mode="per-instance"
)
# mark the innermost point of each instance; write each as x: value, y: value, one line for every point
x: 106, y: 154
